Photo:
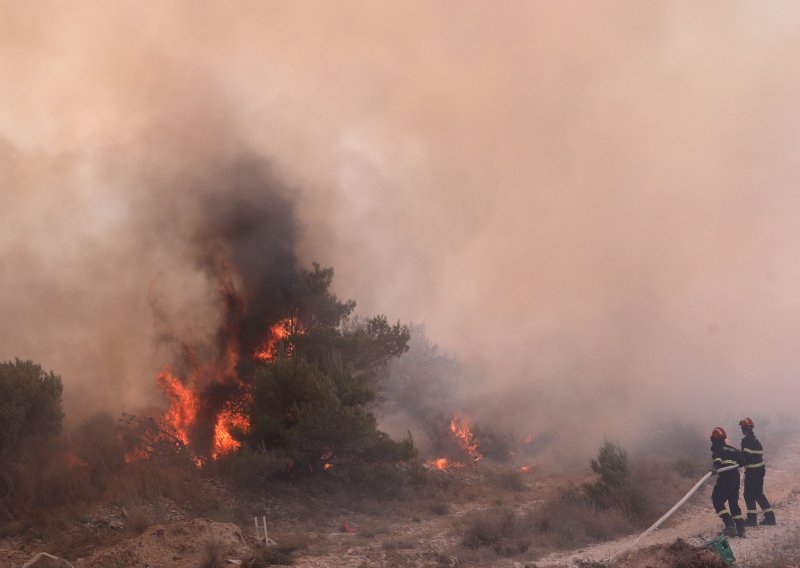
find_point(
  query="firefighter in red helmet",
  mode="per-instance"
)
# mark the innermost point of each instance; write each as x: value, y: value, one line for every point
x: 726, y: 490
x: 754, y: 470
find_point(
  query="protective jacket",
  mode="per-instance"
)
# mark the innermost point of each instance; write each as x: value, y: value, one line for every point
x: 753, y: 453
x: 725, y: 455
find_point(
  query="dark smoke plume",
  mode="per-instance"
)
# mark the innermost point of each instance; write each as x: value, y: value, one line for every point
x: 244, y: 243
x: 250, y: 229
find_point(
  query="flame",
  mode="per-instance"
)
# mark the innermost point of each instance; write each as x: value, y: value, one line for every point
x: 528, y: 439
x: 466, y: 438
x: 529, y: 468
x: 188, y: 395
x: 183, y: 404
x: 444, y: 463
x: 327, y: 466
x: 228, y: 419
x: 279, y: 332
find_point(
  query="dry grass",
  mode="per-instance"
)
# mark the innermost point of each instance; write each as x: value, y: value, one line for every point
x: 509, y: 480
x: 786, y: 555
x: 399, y: 543
x: 627, y: 498
x: 373, y: 529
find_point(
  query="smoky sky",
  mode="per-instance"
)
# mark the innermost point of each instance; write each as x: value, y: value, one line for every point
x: 592, y: 205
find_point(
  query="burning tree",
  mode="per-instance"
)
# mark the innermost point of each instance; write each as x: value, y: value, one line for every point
x: 313, y: 405
x: 302, y: 391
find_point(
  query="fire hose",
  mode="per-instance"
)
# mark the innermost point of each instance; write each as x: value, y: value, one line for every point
x: 669, y: 513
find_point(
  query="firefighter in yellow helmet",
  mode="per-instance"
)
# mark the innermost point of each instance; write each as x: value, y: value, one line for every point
x: 754, y: 470
x: 726, y: 490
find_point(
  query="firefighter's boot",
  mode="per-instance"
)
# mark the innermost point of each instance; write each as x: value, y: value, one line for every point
x: 769, y: 518
x: 730, y: 528
x: 751, y: 520
x: 740, y: 528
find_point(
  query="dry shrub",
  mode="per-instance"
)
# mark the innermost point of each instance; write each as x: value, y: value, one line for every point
x: 48, y: 492
x: 573, y: 520
x: 440, y: 507
x: 97, y: 443
x: 499, y: 529
x: 139, y: 519
x: 213, y: 557
x: 263, y: 557
x: 289, y: 543
x: 151, y: 480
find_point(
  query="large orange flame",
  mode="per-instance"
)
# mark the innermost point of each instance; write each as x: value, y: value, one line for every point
x: 279, y: 333
x: 230, y: 418
x: 466, y: 438
x: 183, y: 404
x: 184, y: 398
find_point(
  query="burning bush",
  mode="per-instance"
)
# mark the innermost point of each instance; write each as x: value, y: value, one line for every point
x: 301, y: 394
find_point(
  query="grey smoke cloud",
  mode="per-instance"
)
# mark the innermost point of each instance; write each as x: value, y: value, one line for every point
x: 593, y: 203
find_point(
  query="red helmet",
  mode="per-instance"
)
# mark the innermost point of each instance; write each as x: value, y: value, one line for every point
x: 746, y: 423
x: 718, y: 433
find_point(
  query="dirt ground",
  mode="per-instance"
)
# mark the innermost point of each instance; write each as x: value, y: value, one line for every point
x: 401, y: 535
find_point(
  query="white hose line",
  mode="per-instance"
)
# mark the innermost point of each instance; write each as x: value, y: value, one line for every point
x: 668, y: 514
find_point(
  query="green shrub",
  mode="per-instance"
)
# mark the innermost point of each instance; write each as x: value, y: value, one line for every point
x: 611, y: 464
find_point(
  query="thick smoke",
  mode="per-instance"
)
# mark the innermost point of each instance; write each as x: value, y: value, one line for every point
x: 249, y: 223
x: 591, y: 206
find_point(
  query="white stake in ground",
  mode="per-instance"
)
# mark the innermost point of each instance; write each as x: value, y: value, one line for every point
x: 268, y: 541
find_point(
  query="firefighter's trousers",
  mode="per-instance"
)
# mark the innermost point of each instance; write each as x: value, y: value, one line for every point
x: 754, y: 491
x: 726, y: 490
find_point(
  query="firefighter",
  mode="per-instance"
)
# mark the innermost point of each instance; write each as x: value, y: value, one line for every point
x: 727, y: 486
x: 754, y: 470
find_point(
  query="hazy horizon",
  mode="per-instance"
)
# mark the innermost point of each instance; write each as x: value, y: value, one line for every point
x: 592, y: 206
